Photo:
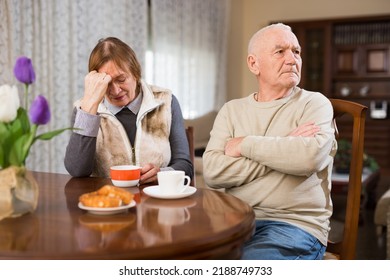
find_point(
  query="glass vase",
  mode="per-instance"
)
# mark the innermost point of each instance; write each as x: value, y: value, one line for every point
x: 18, y: 192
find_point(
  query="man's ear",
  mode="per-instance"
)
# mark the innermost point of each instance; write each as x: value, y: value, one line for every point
x: 253, y: 64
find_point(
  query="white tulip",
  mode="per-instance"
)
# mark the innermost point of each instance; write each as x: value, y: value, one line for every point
x: 9, y: 103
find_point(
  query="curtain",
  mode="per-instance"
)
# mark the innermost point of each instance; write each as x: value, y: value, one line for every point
x: 58, y: 35
x: 188, y: 44
x: 188, y: 40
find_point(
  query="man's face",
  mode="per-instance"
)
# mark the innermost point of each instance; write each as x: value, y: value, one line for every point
x: 279, y: 59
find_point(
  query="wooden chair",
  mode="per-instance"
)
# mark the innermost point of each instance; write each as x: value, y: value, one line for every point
x: 346, y: 247
x: 190, y: 138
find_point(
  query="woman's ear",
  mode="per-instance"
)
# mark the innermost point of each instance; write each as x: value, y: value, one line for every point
x: 253, y: 64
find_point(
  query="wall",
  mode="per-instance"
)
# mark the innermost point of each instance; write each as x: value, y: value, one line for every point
x: 247, y: 16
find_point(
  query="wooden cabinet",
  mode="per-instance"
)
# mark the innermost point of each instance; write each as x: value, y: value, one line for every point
x: 363, y: 61
x: 361, y: 71
x: 349, y: 58
x: 315, y: 40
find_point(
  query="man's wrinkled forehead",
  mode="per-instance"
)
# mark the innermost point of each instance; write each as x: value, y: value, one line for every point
x: 277, y: 38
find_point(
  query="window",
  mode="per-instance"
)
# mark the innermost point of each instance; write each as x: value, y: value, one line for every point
x: 187, y: 52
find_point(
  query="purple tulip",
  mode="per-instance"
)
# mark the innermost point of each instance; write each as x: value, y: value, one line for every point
x: 24, y: 70
x: 39, y: 111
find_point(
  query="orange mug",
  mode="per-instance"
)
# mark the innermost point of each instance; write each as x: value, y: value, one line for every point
x: 125, y: 175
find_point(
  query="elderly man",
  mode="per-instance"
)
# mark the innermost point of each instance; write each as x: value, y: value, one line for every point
x: 274, y: 149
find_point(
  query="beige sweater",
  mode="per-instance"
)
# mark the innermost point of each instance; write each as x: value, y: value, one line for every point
x: 283, y: 178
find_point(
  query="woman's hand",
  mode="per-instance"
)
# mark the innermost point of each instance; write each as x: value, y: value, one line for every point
x: 149, y: 174
x: 95, y: 87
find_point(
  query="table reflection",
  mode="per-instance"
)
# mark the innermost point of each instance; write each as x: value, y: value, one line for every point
x: 18, y: 233
x: 158, y: 219
x: 95, y: 233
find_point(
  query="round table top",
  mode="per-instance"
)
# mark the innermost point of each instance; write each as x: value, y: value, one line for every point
x: 205, y: 225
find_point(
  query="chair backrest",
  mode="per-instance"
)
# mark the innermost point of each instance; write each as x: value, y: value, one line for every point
x: 346, y: 247
x: 190, y: 138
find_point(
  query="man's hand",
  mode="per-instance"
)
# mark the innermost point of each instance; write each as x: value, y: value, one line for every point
x: 233, y: 147
x: 306, y: 130
x: 95, y: 87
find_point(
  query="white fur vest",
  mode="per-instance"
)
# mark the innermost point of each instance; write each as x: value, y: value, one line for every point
x: 152, y: 137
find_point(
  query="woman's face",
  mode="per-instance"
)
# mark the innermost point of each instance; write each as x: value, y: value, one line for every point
x: 122, y: 88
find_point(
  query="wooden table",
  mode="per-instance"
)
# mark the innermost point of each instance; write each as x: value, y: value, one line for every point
x: 206, y: 225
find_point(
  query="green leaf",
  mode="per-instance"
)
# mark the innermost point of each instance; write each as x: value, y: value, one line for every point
x: 2, y: 158
x: 15, y: 154
x: 15, y: 129
x: 3, y: 132
x: 6, y: 141
x: 25, y: 150
x: 51, y: 134
x: 20, y: 149
x: 24, y: 120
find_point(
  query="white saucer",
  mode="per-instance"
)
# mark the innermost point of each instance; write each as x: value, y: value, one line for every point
x: 154, y: 191
x: 107, y: 210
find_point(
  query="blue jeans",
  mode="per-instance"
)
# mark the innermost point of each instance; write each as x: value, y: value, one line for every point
x: 274, y: 240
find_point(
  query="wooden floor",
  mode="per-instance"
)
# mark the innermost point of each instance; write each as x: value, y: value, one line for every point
x: 370, y: 245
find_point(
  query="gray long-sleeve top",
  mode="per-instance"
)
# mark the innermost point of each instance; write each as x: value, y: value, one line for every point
x: 81, y: 149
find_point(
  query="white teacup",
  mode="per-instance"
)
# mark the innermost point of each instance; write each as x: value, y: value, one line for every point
x: 173, y: 216
x: 172, y: 182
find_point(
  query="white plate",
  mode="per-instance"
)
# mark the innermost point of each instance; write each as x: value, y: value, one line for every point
x: 107, y: 210
x: 154, y: 191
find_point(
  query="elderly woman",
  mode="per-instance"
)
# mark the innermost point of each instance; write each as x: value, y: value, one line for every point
x: 123, y: 120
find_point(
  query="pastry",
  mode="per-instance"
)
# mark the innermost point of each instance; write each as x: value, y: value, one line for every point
x: 106, y: 196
